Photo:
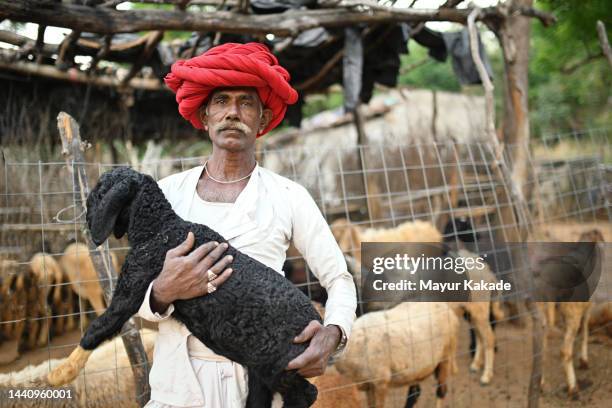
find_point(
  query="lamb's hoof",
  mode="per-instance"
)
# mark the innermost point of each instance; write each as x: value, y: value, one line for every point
x: 484, y: 381
x: 572, y: 393
x: 474, y: 368
x: 69, y: 369
x: 583, y: 364
x: 63, y: 374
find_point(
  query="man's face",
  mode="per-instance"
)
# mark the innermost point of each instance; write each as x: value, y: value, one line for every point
x: 234, y: 117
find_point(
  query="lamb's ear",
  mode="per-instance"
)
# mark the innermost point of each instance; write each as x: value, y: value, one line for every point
x: 104, y: 209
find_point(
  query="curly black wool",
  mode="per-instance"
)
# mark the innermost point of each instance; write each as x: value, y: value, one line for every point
x: 251, y: 319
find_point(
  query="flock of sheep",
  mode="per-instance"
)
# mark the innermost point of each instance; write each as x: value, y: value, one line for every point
x: 40, y: 300
x: 389, y: 347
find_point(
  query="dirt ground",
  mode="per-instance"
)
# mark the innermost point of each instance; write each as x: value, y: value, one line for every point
x: 512, y: 370
x: 509, y: 386
x: 512, y: 363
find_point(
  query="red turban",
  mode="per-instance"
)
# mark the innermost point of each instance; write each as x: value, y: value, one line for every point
x: 231, y: 65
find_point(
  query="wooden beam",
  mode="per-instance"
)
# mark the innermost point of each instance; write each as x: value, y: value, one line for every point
x: 40, y: 42
x: 102, y: 53
x: 290, y: 23
x: 83, y: 46
x: 74, y: 75
x: 154, y: 38
x: 115, y: 3
x: 65, y: 48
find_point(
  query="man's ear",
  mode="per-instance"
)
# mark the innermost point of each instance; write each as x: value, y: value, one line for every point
x: 204, y: 117
x: 266, y: 117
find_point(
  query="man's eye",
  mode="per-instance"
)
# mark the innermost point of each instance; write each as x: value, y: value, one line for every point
x: 247, y: 103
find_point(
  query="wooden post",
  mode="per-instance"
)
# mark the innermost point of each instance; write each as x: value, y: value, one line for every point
x: 514, y: 34
x: 72, y: 150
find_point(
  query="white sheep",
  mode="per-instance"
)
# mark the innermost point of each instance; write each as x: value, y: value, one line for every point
x: 401, y: 346
x: 106, y: 381
x: 350, y: 237
x: 51, y: 280
x: 601, y: 317
x: 576, y: 317
x: 479, y: 307
x: 77, y: 264
x: 12, y: 310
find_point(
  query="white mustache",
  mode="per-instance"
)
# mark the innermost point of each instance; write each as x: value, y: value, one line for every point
x: 236, y: 125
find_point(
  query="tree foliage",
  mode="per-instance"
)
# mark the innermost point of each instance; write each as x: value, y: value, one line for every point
x: 570, y: 80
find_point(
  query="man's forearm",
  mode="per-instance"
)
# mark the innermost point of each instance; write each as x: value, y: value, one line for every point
x: 158, y: 303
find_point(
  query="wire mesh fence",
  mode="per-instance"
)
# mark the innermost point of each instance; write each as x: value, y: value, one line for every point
x: 373, y: 189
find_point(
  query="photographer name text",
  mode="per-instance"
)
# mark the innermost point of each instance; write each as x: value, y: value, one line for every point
x: 441, y: 287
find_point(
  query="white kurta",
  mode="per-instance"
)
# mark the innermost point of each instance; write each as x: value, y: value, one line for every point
x: 269, y: 213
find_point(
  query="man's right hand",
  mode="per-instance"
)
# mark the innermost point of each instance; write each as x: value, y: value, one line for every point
x: 184, y: 275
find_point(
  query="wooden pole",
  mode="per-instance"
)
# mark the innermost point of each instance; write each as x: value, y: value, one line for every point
x: 72, y: 150
x: 603, y: 41
x: 514, y: 34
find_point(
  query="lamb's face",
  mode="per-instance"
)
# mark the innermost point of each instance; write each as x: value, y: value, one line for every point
x: 108, y: 204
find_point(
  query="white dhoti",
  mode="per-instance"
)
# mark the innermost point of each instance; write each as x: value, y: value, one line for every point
x: 223, y: 382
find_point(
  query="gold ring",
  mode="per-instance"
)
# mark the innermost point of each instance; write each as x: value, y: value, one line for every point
x: 210, y: 287
x: 211, y: 275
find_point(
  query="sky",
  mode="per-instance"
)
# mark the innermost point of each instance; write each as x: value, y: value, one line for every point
x: 55, y: 35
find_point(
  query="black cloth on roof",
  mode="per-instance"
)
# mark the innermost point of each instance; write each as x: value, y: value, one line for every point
x: 458, y: 45
x: 433, y: 41
x: 278, y: 6
x: 382, y: 58
x: 352, y: 67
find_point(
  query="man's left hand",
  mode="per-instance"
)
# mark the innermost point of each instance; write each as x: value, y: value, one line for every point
x: 323, y: 342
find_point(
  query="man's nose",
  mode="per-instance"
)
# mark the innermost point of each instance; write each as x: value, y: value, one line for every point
x: 233, y: 111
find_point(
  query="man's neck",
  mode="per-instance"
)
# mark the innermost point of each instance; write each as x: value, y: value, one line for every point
x: 228, y: 166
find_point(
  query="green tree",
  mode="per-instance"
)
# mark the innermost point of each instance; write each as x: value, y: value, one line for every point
x: 570, y: 80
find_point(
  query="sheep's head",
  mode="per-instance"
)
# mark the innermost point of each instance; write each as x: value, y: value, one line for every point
x: 108, y: 204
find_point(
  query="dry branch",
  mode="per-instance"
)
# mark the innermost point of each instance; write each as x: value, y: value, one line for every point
x: 74, y: 75
x: 117, y: 52
x: 290, y: 23
x: 484, y: 78
x: 570, y: 69
x: 603, y: 41
x: 65, y: 48
x: 155, y: 38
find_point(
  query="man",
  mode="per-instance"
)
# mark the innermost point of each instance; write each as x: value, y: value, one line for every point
x: 237, y: 92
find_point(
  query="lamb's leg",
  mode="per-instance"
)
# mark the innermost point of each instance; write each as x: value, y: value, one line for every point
x: 478, y: 326
x: 442, y: 373
x: 43, y: 334
x: 584, y: 349
x: 259, y: 393
x: 414, y: 392
x: 127, y: 299
x: 68, y: 323
x: 485, y: 342
x: 567, y: 352
x: 377, y: 394
x: 97, y: 303
x: 545, y: 329
x: 550, y: 314
x: 301, y: 394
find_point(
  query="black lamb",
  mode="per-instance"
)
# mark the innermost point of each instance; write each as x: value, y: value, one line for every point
x: 251, y: 319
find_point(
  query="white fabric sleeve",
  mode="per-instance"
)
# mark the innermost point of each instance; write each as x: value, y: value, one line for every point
x: 145, y: 309
x: 314, y: 240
